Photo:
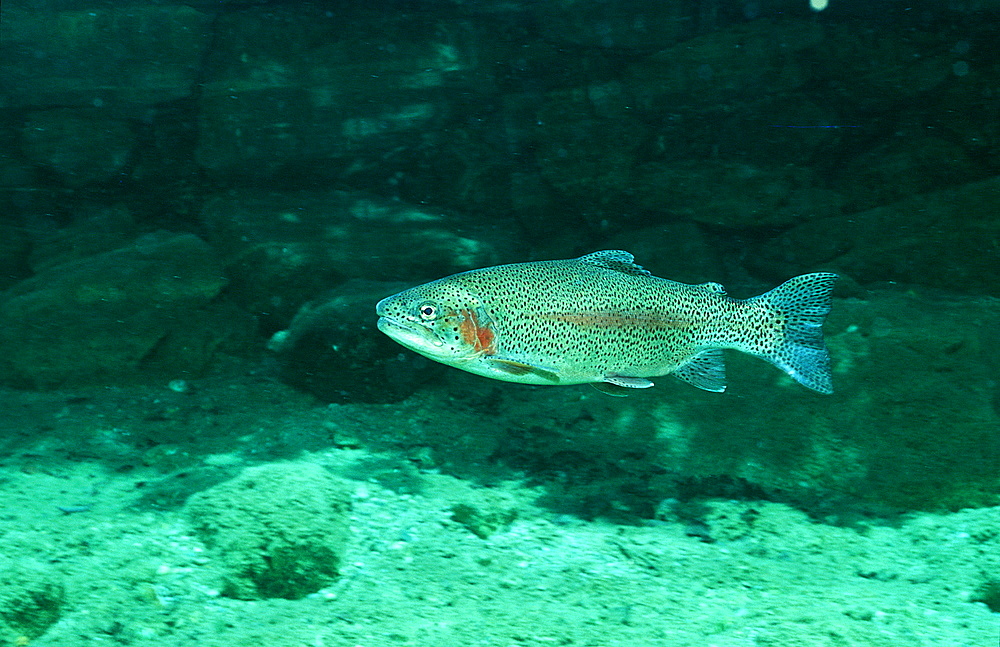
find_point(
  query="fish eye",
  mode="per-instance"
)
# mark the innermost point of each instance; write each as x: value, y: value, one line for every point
x: 427, y: 311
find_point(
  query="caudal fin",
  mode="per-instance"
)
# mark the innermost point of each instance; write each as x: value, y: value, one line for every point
x: 803, y: 302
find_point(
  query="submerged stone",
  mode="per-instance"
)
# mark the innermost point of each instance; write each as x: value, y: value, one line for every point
x: 32, y: 595
x: 944, y: 239
x: 329, y: 350
x: 286, y: 86
x: 277, y: 531
x: 79, y: 146
x: 283, y: 249
x: 122, y: 55
x: 102, y: 316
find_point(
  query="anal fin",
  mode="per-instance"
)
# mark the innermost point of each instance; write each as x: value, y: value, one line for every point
x: 706, y: 370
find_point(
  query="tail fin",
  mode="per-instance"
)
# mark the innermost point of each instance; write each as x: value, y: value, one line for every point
x: 804, y: 302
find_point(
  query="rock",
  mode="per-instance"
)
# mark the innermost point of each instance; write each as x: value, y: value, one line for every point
x: 488, y: 513
x: 739, y: 63
x: 734, y: 195
x: 626, y: 24
x: 101, y: 317
x: 15, y: 248
x: 483, y: 511
x: 731, y: 520
x: 80, y: 146
x: 333, y: 350
x: 277, y: 531
x: 31, y: 599
x: 904, y: 166
x: 128, y: 56
x: 882, y: 69
x: 302, y: 88
x: 679, y: 251
x: 971, y: 119
x: 587, y: 146
x: 944, y: 239
x: 96, y: 228
x: 774, y: 131
x: 284, y: 249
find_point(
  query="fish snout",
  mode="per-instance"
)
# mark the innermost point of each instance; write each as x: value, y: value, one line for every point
x: 382, y: 307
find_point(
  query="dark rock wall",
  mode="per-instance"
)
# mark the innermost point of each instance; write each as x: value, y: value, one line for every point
x: 545, y: 128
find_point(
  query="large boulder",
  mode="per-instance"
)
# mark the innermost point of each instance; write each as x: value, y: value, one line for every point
x: 737, y: 63
x: 587, y: 138
x: 944, y: 239
x: 124, y: 55
x: 276, y: 531
x: 106, y: 316
x: 300, y: 88
x: 333, y: 350
x: 283, y: 249
x: 78, y: 146
x: 735, y: 195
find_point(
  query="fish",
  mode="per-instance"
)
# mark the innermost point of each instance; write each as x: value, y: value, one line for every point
x: 601, y: 319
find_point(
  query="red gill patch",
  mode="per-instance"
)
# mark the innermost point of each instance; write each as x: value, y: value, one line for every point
x: 477, y: 335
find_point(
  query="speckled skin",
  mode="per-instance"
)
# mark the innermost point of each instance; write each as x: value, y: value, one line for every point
x: 602, y: 318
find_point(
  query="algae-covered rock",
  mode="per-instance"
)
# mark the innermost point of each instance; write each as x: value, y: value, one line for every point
x: 486, y: 514
x: 587, y: 147
x: 277, y: 531
x: 283, y: 249
x: 734, y: 195
x: 740, y: 62
x: 332, y: 349
x: 80, y: 146
x: 300, y: 84
x: 944, y: 239
x: 31, y: 600
x: 101, y: 316
x: 125, y: 54
x: 482, y: 511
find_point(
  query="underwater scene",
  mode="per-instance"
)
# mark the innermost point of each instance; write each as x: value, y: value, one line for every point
x: 500, y: 323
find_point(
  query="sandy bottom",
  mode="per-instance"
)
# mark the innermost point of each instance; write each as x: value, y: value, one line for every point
x: 93, y: 484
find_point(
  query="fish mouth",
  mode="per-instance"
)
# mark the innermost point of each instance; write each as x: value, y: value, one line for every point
x: 413, y: 337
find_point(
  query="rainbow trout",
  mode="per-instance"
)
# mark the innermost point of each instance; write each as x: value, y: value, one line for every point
x: 604, y: 320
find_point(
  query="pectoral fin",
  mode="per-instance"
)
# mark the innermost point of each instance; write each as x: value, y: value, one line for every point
x: 520, y: 368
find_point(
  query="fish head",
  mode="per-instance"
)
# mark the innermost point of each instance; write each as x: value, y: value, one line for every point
x: 440, y: 320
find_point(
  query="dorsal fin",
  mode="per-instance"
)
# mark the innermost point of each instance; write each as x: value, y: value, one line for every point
x: 615, y: 259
